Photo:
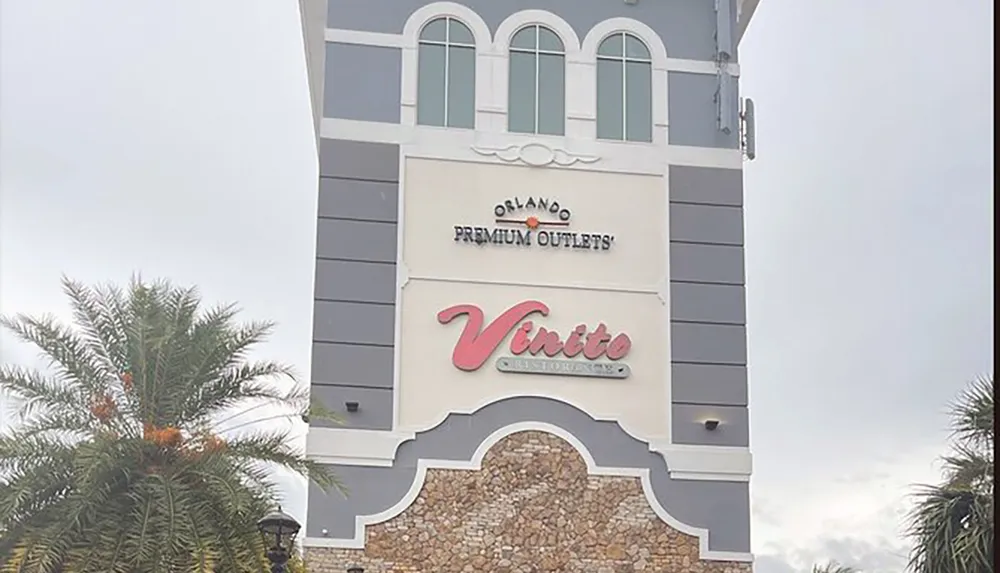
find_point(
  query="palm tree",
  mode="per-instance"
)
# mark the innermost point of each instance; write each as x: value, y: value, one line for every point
x: 834, y: 567
x: 129, y: 455
x: 952, y: 523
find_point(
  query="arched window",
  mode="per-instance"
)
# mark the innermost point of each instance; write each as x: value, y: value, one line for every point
x: 624, y: 89
x: 446, y: 74
x: 536, y: 97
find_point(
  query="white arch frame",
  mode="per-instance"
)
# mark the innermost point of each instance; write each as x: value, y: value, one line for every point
x: 501, y: 48
x: 476, y: 464
x: 411, y: 43
x: 658, y: 54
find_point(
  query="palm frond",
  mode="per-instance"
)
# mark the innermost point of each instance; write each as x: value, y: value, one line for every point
x: 952, y: 525
x: 973, y: 413
x: 117, y: 463
x: 952, y: 530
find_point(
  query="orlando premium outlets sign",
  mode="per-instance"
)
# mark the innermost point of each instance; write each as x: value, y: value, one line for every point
x: 532, y: 222
x: 536, y: 351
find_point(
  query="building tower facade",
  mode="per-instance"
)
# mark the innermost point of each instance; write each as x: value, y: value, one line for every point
x: 529, y: 297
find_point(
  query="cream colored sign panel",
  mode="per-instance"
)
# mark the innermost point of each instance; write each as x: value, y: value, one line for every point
x: 507, y: 223
x: 615, y: 367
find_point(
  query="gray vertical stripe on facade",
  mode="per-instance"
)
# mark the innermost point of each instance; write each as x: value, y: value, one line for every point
x: 688, y: 425
x: 362, y: 160
x: 374, y: 406
x: 357, y: 199
x: 356, y: 240
x: 708, y: 306
x: 701, y: 263
x: 355, y: 365
x: 712, y: 224
x: 703, y: 343
x: 355, y: 281
x: 709, y: 384
x: 706, y: 186
x: 355, y: 289
x: 354, y: 323
x: 710, y: 303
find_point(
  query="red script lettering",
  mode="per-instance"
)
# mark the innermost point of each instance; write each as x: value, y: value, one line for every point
x: 476, y: 344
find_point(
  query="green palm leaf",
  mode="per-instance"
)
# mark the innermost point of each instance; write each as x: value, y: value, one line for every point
x: 952, y: 524
x: 132, y: 453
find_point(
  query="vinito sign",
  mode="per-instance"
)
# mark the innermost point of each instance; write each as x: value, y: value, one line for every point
x: 531, y: 222
x: 599, y: 349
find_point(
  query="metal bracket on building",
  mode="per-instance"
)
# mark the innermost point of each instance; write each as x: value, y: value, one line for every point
x: 748, y: 130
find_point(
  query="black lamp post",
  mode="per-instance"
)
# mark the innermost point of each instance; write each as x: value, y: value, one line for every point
x: 278, y: 530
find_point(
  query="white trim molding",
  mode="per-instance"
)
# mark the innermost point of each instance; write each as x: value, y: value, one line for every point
x: 409, y: 41
x: 506, y: 30
x: 458, y: 144
x: 428, y: 12
x: 534, y: 154
x: 475, y: 464
x: 371, y: 448
x: 605, y: 28
x: 400, y: 41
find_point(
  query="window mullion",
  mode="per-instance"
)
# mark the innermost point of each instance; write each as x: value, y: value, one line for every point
x: 624, y: 90
x: 538, y: 85
x: 447, y: 68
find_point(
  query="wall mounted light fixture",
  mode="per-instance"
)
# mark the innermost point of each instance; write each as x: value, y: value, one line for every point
x: 352, y: 406
x: 711, y: 425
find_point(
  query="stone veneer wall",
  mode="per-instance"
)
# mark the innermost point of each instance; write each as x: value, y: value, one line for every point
x: 531, y: 509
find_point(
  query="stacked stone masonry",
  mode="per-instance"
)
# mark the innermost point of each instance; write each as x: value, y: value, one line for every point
x: 531, y: 509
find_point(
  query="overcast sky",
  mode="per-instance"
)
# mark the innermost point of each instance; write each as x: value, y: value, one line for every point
x: 175, y: 138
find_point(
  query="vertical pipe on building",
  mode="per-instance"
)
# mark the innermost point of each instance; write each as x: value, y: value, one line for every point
x: 724, y: 47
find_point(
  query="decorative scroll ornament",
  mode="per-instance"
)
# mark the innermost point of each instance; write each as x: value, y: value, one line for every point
x: 534, y: 154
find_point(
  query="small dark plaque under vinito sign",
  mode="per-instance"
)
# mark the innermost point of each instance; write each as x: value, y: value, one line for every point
x: 554, y: 367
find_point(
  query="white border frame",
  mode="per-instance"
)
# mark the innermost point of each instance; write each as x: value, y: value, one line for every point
x: 409, y: 41
x: 660, y: 67
x: 475, y: 464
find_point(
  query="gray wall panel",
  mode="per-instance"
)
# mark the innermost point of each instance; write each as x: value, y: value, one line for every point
x: 715, y: 384
x: 374, y: 407
x: 693, y: 302
x: 693, y: 114
x: 354, y: 323
x: 706, y: 224
x: 706, y: 263
x: 356, y: 281
x: 372, y: 76
x: 686, y: 28
x: 706, y: 185
x: 356, y: 240
x: 721, y: 507
x: 359, y: 160
x: 352, y: 365
x: 688, y: 425
x: 356, y: 199
x: 708, y: 343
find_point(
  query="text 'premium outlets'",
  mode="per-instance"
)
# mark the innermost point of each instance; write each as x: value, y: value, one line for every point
x: 542, y: 220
